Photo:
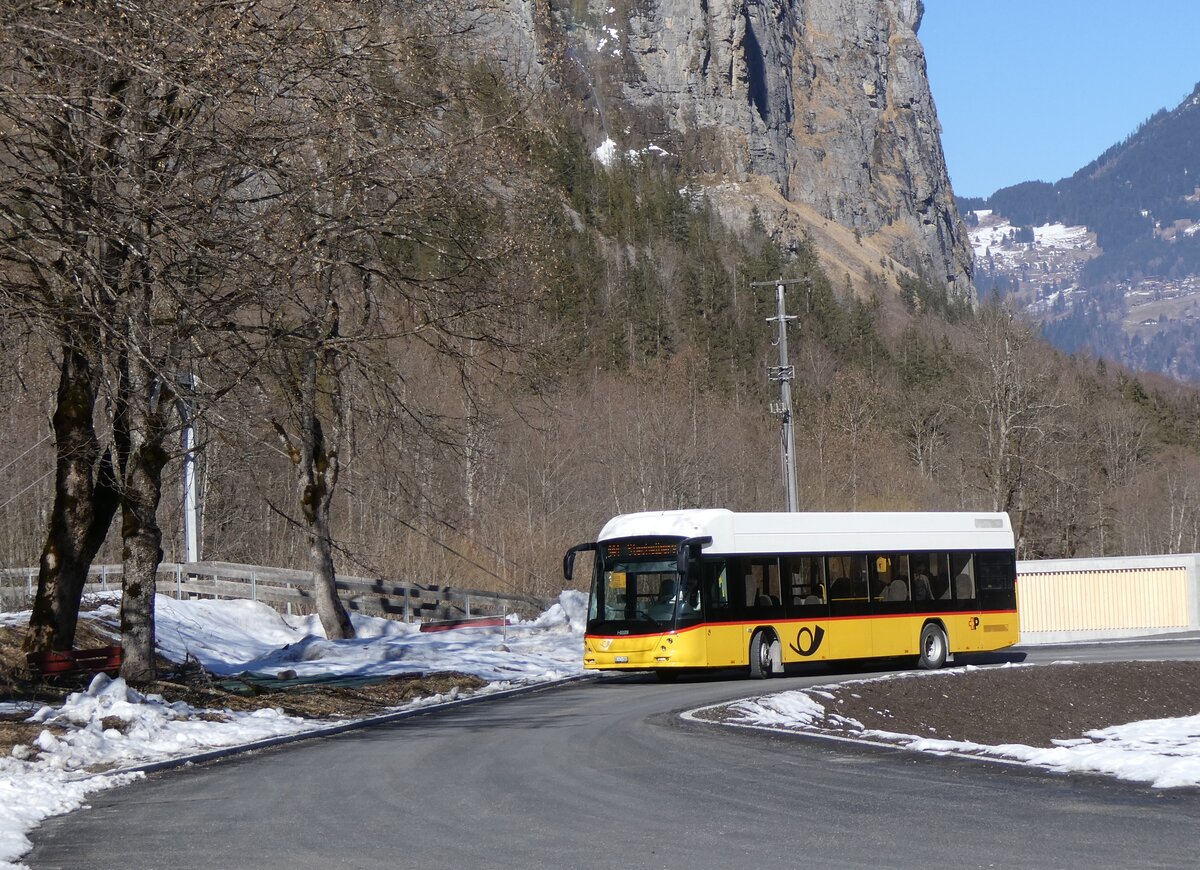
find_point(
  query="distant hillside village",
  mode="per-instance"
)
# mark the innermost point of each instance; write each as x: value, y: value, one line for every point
x: 1107, y: 260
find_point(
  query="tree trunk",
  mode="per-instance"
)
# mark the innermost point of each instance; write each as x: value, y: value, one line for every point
x: 334, y: 618
x: 85, y: 501
x: 142, y: 554
x: 318, y: 474
x: 317, y: 466
x: 144, y: 405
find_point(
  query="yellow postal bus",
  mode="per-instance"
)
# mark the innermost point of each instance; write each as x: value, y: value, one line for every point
x: 673, y: 590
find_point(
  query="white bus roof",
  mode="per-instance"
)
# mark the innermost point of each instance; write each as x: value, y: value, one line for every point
x: 819, y: 532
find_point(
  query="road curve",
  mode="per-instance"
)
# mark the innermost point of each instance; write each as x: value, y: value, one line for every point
x: 605, y: 775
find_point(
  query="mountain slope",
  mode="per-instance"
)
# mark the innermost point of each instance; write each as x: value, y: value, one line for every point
x: 1129, y: 292
x: 815, y: 117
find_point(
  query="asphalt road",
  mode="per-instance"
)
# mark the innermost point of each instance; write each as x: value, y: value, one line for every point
x: 603, y: 774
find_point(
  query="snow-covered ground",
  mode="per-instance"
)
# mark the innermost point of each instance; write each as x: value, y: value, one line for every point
x: 1162, y: 752
x: 112, y: 726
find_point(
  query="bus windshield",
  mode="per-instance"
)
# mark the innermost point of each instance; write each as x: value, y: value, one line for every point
x: 640, y: 596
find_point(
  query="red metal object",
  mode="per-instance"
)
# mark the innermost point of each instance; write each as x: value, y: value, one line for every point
x: 77, y: 661
x: 470, y: 622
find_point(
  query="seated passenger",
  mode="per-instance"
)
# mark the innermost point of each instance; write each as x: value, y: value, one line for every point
x: 920, y: 589
x: 897, y: 590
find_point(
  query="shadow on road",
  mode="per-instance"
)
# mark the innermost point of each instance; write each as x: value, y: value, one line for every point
x: 847, y: 667
x: 999, y: 657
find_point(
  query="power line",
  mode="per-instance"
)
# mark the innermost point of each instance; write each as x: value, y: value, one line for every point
x: 7, y: 465
x: 26, y: 489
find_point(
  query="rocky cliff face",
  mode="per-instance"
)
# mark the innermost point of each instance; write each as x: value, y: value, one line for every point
x: 815, y: 113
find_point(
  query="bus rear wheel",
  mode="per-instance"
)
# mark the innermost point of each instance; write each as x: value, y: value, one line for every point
x: 934, y: 647
x: 760, y: 656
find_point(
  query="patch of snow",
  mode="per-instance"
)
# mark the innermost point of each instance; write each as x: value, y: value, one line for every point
x: 1162, y: 752
x: 606, y: 153
x: 1059, y: 236
x: 110, y: 724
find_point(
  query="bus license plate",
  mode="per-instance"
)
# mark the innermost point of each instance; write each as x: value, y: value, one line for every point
x: 622, y: 660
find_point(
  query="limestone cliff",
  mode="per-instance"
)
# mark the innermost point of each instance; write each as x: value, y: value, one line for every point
x: 816, y: 113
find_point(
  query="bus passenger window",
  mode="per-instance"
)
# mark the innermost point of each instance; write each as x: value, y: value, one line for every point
x: 716, y: 589
x: 849, y: 575
x: 858, y: 575
x: 839, y: 578
x: 995, y: 576
x: 804, y: 576
x: 930, y: 574
x: 762, y: 584
x: 891, y: 578
x: 962, y: 568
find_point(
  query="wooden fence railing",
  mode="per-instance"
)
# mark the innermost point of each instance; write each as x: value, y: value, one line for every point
x: 287, y: 589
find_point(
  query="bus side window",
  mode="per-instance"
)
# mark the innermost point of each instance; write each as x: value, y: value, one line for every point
x: 996, y: 576
x: 934, y: 568
x: 858, y: 576
x: 716, y: 589
x: 763, y: 590
x: 962, y: 568
x: 891, y: 579
x: 840, y: 587
x: 848, y: 577
x: 804, y: 577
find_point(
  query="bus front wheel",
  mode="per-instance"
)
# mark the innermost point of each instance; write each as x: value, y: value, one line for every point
x: 933, y: 647
x: 760, y: 656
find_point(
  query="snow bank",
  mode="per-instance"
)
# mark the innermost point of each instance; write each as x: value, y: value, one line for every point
x: 1162, y: 752
x: 112, y: 725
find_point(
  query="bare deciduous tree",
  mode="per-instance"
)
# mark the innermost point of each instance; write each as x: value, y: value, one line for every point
x: 1008, y: 396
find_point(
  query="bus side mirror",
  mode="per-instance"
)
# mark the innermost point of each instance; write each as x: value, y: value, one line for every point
x: 686, y: 547
x: 569, y: 560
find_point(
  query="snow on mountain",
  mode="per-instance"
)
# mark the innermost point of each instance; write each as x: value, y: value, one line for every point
x: 996, y: 237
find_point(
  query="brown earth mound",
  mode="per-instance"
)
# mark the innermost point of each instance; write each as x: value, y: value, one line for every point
x: 1033, y: 704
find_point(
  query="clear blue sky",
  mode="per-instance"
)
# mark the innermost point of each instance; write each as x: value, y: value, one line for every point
x: 1035, y: 89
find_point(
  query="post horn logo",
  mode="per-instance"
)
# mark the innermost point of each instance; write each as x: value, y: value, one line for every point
x: 806, y: 646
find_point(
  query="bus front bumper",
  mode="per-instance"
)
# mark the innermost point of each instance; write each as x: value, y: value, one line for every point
x: 640, y: 652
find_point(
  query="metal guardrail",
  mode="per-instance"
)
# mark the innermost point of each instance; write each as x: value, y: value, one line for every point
x: 285, y: 588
